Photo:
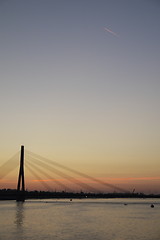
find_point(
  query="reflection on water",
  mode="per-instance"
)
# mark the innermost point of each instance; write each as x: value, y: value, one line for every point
x: 19, y: 218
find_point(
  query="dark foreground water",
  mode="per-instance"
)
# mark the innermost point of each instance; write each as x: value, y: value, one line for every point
x: 100, y: 219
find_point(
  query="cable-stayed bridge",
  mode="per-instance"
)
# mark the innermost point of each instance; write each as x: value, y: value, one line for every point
x: 45, y: 171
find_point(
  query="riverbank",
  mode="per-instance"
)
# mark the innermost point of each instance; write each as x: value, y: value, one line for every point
x: 11, y: 194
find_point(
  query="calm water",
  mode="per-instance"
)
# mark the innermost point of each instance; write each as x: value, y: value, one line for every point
x: 80, y: 219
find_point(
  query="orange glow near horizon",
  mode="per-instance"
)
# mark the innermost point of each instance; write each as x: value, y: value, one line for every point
x: 141, y: 184
x: 133, y: 178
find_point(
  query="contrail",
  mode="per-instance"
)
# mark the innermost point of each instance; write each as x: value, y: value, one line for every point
x: 110, y: 31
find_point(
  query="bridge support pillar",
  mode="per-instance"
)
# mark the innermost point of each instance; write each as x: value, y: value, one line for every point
x: 21, y: 183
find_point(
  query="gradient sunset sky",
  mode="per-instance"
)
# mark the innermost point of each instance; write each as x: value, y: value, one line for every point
x: 80, y: 84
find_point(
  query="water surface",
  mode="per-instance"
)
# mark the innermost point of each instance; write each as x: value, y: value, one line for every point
x: 99, y: 219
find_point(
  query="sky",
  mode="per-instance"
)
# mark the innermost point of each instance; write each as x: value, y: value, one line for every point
x: 79, y: 84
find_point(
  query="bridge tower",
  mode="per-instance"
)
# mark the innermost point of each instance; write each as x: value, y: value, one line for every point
x: 21, y: 183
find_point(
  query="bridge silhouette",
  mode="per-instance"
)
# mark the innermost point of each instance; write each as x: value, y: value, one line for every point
x: 41, y: 167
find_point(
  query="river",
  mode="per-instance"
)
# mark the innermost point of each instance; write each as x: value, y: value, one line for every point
x: 86, y: 219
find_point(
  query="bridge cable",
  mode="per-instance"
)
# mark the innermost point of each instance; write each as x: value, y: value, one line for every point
x: 66, y: 176
x: 80, y: 173
x: 9, y: 165
x: 33, y: 165
x: 38, y: 177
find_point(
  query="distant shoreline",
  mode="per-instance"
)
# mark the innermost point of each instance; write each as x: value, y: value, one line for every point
x: 10, y: 194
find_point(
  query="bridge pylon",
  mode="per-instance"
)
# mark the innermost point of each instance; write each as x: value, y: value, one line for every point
x: 21, y: 183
